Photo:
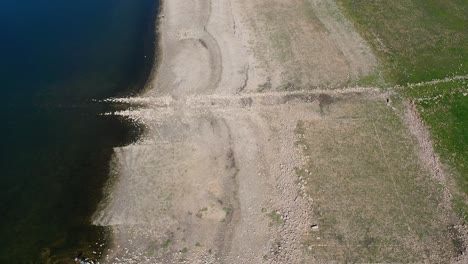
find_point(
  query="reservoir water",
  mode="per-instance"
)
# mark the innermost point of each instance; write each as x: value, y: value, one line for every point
x: 56, y: 58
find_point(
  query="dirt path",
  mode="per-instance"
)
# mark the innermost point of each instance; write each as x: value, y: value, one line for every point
x: 214, y: 179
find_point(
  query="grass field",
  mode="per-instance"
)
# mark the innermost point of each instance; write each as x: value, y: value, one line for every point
x: 444, y: 108
x: 374, y: 200
x: 419, y: 41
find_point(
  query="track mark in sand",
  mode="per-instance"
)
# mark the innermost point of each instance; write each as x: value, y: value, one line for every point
x: 233, y: 209
x: 203, y: 43
x: 234, y: 27
x: 214, y: 50
x: 246, y: 80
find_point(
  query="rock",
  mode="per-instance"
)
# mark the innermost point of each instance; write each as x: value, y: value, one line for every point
x: 314, y: 227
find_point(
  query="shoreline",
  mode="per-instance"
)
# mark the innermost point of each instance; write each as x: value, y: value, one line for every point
x: 209, y: 50
x: 157, y: 49
x: 221, y: 174
x: 58, y: 144
x: 143, y: 83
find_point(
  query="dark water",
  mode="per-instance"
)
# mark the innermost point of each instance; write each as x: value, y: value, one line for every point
x: 55, y: 57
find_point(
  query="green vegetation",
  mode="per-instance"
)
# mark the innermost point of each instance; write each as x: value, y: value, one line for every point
x: 374, y: 200
x: 166, y: 244
x: 419, y: 41
x: 227, y: 210
x: 444, y: 108
x: 276, y: 217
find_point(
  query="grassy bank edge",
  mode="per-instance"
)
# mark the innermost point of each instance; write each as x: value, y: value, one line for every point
x: 420, y: 41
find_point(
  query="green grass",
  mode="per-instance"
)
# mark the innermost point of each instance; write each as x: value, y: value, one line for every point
x: 276, y: 218
x: 166, y: 244
x: 419, y: 41
x: 444, y: 109
x: 374, y: 200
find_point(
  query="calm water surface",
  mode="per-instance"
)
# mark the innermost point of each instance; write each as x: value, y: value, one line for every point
x: 57, y: 56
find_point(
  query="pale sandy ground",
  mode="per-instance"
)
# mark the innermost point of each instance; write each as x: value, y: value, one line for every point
x: 214, y: 178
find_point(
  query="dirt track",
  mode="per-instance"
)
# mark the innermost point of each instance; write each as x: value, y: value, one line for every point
x: 214, y: 180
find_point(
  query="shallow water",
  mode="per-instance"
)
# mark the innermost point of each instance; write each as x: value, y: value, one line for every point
x: 56, y: 57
